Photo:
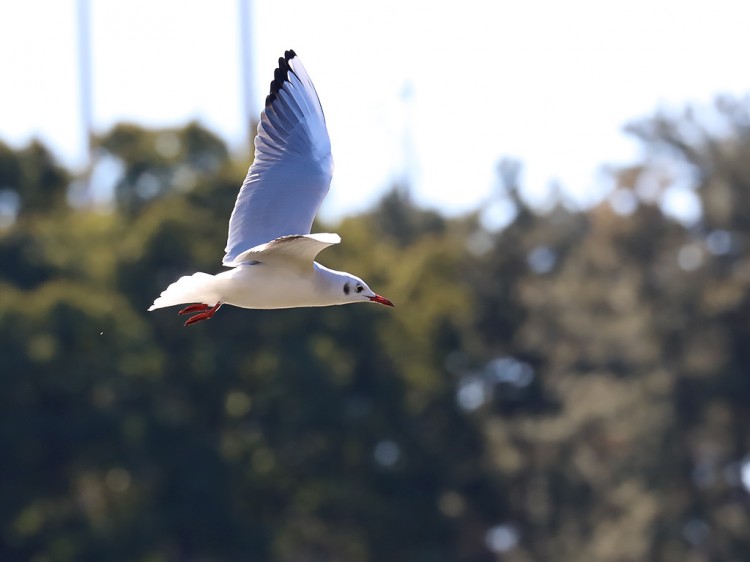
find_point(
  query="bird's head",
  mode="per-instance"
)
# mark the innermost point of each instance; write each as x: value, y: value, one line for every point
x: 353, y: 289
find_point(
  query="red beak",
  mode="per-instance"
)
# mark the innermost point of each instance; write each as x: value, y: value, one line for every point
x: 381, y: 300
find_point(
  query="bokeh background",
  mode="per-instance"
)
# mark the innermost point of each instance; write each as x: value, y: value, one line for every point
x: 565, y: 376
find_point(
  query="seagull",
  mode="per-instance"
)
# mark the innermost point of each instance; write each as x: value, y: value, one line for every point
x: 270, y: 249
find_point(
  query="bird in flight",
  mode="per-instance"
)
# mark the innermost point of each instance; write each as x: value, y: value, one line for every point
x: 270, y: 249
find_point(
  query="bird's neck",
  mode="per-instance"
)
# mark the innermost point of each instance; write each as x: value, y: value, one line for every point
x: 330, y: 282
x: 326, y: 274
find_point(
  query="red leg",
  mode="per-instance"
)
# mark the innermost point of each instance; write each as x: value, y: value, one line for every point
x: 194, y: 308
x: 203, y: 315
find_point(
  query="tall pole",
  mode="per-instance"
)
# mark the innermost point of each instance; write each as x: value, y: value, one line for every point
x: 409, y: 172
x: 84, y: 76
x: 248, y: 92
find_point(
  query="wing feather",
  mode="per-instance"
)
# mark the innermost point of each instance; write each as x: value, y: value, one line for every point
x: 292, y: 168
x: 296, y: 249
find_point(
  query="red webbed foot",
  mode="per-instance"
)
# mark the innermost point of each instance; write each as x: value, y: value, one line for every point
x: 194, y: 308
x: 208, y: 312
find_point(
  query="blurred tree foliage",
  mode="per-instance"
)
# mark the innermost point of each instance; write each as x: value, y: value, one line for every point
x: 572, y: 386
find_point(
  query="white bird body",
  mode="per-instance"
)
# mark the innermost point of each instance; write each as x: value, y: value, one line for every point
x: 255, y: 286
x: 269, y: 246
x: 280, y: 281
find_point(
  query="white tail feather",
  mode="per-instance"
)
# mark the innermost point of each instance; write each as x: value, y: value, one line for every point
x: 196, y: 288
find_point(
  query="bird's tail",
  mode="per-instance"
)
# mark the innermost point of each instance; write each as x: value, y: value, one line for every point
x: 198, y: 287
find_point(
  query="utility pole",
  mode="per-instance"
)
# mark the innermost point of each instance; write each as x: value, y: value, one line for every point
x: 248, y: 91
x: 410, y: 165
x: 84, y: 75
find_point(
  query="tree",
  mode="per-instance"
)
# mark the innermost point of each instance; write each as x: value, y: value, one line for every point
x: 568, y: 386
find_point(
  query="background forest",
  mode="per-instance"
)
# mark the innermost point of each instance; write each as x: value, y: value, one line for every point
x: 573, y: 386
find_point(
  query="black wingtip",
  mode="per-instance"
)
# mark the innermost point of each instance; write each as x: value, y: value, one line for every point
x: 280, y: 75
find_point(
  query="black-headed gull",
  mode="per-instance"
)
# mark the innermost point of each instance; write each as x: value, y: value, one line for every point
x: 270, y: 248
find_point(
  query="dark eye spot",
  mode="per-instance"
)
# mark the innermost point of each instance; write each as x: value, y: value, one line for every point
x: 346, y: 288
x: 359, y: 288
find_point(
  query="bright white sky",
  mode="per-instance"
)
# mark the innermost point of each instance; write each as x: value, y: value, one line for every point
x: 549, y: 82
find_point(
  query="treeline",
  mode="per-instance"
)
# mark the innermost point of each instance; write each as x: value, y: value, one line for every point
x: 573, y: 386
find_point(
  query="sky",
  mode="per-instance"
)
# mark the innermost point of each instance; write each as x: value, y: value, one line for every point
x: 435, y: 93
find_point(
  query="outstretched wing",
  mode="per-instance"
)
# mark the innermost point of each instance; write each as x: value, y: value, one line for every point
x: 299, y: 249
x: 291, y: 173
